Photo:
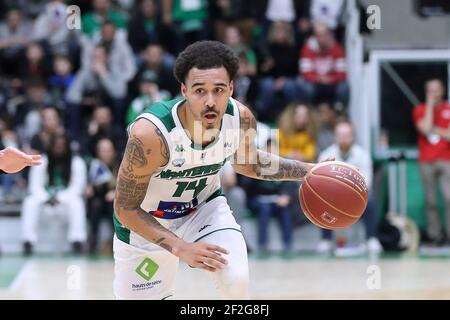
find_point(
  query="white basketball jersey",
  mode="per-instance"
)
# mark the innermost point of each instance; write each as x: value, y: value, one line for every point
x: 191, y: 177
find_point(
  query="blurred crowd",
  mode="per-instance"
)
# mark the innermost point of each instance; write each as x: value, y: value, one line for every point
x: 70, y: 93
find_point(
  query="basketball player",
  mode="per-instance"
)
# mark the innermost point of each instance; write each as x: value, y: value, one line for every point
x: 168, y: 204
x: 13, y: 160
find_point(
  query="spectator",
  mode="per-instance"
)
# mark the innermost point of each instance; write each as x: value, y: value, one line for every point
x: 347, y: 151
x: 101, y: 126
x: 296, y: 134
x: 37, y: 63
x: 12, y: 93
x: 26, y: 114
x: 101, y: 79
x: 322, y: 68
x: 117, y: 47
x: 100, y: 191
x: 155, y: 59
x: 327, y: 12
x: 60, y: 181
x: 29, y: 9
x: 14, y: 36
x: 327, y: 118
x: 432, y: 120
x: 146, y: 27
x: 234, y: 40
x: 91, y: 22
x: 149, y: 94
x: 225, y: 13
x: 266, y: 200
x: 189, y: 20
x: 296, y: 13
x: 60, y: 80
x: 279, y: 68
x: 51, y: 126
x: 245, y: 81
x: 50, y: 27
x: 280, y: 11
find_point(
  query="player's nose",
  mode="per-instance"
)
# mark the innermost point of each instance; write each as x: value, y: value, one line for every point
x: 210, y: 102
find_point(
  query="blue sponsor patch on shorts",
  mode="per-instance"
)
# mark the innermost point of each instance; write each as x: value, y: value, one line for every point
x: 174, y: 210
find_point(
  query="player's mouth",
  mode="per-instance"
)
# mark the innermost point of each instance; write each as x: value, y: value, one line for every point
x: 210, y: 117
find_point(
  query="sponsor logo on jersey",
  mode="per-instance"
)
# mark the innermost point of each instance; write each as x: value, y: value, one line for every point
x: 196, y: 172
x: 179, y: 148
x: 145, y: 285
x: 174, y: 210
x: 178, y: 162
x: 147, y: 269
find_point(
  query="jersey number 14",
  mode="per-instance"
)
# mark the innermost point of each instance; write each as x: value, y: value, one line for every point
x: 197, y: 186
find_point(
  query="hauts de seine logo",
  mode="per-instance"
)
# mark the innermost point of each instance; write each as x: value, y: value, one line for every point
x: 146, y: 269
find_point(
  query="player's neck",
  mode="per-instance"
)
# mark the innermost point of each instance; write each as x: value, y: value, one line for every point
x: 199, y: 135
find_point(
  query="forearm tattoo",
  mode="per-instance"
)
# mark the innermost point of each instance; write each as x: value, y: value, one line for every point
x: 158, y: 228
x: 261, y: 164
x: 272, y: 167
x: 130, y: 193
x: 132, y: 188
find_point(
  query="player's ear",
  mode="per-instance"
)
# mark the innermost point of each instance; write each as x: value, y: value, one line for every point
x: 183, y: 90
x: 231, y: 87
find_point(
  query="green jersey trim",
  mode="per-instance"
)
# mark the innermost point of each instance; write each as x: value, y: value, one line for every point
x: 229, y: 109
x: 163, y: 111
x: 215, y: 194
x: 122, y: 233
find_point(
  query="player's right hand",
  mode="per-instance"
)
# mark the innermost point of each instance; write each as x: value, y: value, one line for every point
x: 203, y: 255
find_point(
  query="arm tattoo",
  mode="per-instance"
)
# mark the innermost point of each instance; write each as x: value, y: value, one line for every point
x: 163, y: 244
x: 132, y: 187
x: 155, y: 225
x: 129, y: 193
x: 135, y: 154
x: 247, y: 121
x: 164, y: 148
x: 265, y: 166
x: 286, y: 169
x: 247, y: 151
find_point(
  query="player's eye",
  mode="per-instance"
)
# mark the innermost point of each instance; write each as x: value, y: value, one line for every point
x: 199, y: 91
x: 218, y: 90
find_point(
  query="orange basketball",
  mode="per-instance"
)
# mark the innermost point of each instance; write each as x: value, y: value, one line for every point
x: 333, y: 195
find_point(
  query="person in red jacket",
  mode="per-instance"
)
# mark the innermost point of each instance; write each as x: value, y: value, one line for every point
x: 322, y: 68
x: 432, y: 120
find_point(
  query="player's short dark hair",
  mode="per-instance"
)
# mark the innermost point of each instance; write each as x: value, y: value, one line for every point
x: 205, y: 55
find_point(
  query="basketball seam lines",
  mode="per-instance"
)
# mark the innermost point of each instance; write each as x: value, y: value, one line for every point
x: 344, y: 213
x: 326, y: 177
x: 311, y: 216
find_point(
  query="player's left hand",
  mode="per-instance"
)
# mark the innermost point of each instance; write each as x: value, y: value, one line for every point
x: 13, y: 160
x: 310, y: 166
